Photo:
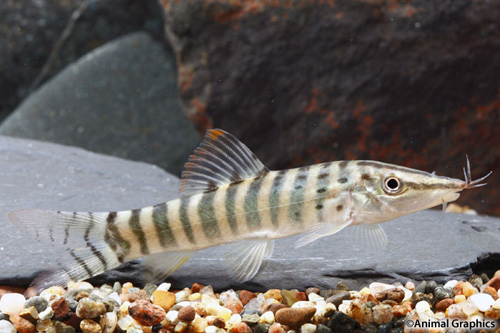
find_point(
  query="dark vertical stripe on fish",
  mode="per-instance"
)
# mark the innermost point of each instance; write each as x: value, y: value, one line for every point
x: 230, y: 210
x: 117, y: 237
x: 251, y: 206
x: 162, y: 226
x: 135, y: 225
x: 206, y: 212
x: 184, y: 217
x: 274, y: 196
x: 297, y: 195
x: 93, y: 249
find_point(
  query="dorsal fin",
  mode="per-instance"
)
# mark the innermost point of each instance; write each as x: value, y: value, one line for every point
x: 220, y: 159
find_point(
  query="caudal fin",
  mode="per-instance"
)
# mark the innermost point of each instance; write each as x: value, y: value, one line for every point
x: 89, y: 249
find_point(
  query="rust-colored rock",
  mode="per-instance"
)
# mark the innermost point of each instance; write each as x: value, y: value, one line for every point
x: 196, y: 287
x: 242, y: 328
x: 145, y: 313
x: 490, y: 290
x: 187, y: 313
x: 494, y: 282
x: 294, y: 317
x: 442, y: 305
x: 60, y: 308
x: 246, y: 296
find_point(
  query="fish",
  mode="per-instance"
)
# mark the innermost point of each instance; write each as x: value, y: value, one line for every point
x: 228, y: 196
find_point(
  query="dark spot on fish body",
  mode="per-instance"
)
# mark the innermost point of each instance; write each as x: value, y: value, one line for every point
x: 184, y: 217
x: 323, y: 175
x: 342, y: 180
x: 301, y: 177
x: 321, y: 190
x: 343, y: 164
x: 162, y: 225
x: 326, y: 165
x: 135, y: 225
x: 365, y: 176
x: 298, y: 187
x: 207, y: 216
x: 339, y: 208
x: 319, y: 207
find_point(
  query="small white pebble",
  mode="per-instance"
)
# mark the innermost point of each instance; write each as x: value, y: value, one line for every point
x: 451, y: 284
x: 212, y: 308
x: 124, y: 308
x: 234, y: 320
x: 313, y: 297
x: 468, y: 307
x: 164, y: 286
x: 211, y: 329
x: 181, y: 296
x: 365, y: 291
x: 46, y: 314
x: 184, y: 303
x: 302, y: 304
x: 125, y: 322
x: 308, y: 328
x: 114, y: 295
x: 496, y: 305
x: 171, y: 315
x: 377, y: 287
x: 12, y: 303
x: 7, y: 327
x: 482, y: 301
x: 267, y: 317
x: 424, y: 311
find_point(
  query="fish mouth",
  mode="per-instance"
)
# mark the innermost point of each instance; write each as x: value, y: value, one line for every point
x: 450, y: 197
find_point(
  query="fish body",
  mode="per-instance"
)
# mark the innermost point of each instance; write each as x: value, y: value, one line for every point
x: 228, y: 196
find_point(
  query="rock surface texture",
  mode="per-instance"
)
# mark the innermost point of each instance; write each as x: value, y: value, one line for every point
x: 39, y: 38
x: 413, y: 83
x: 121, y: 99
x: 423, y: 246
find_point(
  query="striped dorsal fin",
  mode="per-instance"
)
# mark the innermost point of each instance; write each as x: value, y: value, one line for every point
x: 220, y: 159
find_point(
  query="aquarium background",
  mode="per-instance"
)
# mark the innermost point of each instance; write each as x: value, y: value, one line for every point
x: 415, y: 83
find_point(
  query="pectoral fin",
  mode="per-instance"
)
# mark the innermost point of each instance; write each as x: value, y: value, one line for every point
x: 245, y: 258
x: 322, y: 230
x: 370, y: 236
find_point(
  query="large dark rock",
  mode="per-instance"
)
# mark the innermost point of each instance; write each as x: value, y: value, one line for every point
x: 121, y: 99
x: 422, y: 246
x: 413, y: 83
x: 39, y: 38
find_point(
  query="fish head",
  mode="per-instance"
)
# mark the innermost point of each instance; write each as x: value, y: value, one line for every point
x: 385, y: 191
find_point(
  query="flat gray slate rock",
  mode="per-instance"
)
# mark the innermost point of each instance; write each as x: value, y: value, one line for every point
x: 422, y: 246
x: 120, y: 99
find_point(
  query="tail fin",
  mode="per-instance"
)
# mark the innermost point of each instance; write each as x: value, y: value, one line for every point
x: 89, y: 248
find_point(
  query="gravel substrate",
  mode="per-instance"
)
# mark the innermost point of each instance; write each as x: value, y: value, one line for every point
x: 457, y: 306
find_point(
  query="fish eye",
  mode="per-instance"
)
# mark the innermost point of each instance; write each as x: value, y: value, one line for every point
x: 392, y: 185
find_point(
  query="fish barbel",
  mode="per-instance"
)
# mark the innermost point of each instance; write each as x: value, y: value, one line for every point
x: 228, y: 196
